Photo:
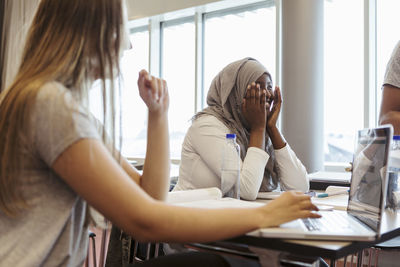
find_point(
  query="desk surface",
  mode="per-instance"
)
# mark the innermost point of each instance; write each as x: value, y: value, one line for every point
x: 333, y: 250
x: 329, y: 249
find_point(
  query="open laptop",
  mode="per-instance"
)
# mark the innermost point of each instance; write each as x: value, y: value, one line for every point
x: 368, y: 185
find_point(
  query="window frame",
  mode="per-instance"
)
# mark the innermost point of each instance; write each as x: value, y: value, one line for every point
x: 200, y: 13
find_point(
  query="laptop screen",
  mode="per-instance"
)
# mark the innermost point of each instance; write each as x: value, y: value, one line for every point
x: 369, y: 176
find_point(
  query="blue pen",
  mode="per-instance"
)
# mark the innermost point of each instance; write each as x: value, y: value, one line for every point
x: 334, y: 193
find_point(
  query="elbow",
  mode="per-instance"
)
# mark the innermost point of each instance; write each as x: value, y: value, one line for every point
x: 385, y: 119
x: 141, y: 232
x: 248, y: 194
x: 143, y: 224
x: 302, y: 184
x: 304, y: 187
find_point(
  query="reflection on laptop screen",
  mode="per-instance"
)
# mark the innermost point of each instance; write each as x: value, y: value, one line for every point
x: 369, y: 177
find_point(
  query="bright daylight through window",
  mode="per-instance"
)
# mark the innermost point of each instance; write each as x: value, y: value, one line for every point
x: 234, y: 33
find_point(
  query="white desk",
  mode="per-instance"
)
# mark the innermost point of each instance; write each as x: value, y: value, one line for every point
x: 332, y: 250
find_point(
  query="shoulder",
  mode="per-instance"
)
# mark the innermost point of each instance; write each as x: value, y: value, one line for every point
x: 54, y: 99
x: 392, y: 76
x: 55, y: 92
x: 57, y: 105
x: 208, y: 120
x: 58, y: 120
x: 396, y: 50
x: 395, y: 57
x: 205, y: 129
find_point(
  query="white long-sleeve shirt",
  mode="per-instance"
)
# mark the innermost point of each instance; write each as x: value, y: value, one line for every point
x: 201, y: 161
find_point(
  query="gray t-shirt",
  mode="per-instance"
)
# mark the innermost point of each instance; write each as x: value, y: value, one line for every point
x: 53, y: 230
x: 392, y: 75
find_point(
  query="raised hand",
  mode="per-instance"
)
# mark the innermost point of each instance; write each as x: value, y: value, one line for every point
x: 154, y: 92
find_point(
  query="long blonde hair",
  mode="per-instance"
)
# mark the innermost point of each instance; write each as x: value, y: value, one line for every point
x: 72, y: 42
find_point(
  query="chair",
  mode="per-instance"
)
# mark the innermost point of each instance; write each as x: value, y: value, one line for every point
x: 92, y: 240
x: 124, y: 249
x: 392, y: 245
x: 145, y: 251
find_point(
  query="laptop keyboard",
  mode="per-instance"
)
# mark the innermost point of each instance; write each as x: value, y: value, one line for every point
x: 328, y: 222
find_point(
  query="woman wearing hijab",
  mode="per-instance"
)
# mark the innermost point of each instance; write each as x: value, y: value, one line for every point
x: 241, y: 101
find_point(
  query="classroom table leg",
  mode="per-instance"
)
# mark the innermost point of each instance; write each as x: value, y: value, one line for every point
x: 359, y: 258
x: 156, y: 248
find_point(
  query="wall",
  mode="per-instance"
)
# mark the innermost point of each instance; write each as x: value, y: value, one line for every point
x: 17, y: 19
x: 138, y: 9
x: 144, y: 8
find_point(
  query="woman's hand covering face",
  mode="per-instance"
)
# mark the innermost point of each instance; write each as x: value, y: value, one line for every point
x: 274, y: 111
x: 255, y: 106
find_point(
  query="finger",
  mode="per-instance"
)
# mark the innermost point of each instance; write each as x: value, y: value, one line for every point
x: 253, y: 93
x: 303, y: 197
x: 146, y: 75
x: 278, y: 95
x: 143, y: 73
x: 310, y: 214
x: 244, y: 107
x: 258, y: 94
x: 263, y: 99
x: 269, y: 95
x: 299, y: 197
x: 298, y: 193
x: 165, y: 88
x: 248, y: 91
x: 277, y: 100
x: 160, y: 89
x: 267, y: 106
x: 141, y: 77
x: 154, y: 87
x: 147, y: 80
x: 308, y: 205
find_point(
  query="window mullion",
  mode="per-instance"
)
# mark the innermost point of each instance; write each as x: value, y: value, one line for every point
x: 199, y: 90
x: 155, y: 47
x: 370, y: 90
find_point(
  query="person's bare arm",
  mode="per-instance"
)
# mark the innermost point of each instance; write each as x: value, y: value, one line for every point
x: 390, y: 107
x: 90, y: 170
x: 155, y: 176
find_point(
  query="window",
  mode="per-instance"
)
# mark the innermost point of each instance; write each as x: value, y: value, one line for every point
x: 226, y: 38
x: 178, y: 69
x: 231, y: 31
x: 133, y: 109
x: 235, y: 34
x: 344, y: 77
x: 387, y: 38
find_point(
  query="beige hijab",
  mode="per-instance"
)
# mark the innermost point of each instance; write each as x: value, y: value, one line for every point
x: 224, y: 101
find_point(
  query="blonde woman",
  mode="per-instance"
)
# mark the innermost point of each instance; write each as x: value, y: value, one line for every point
x: 54, y: 161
